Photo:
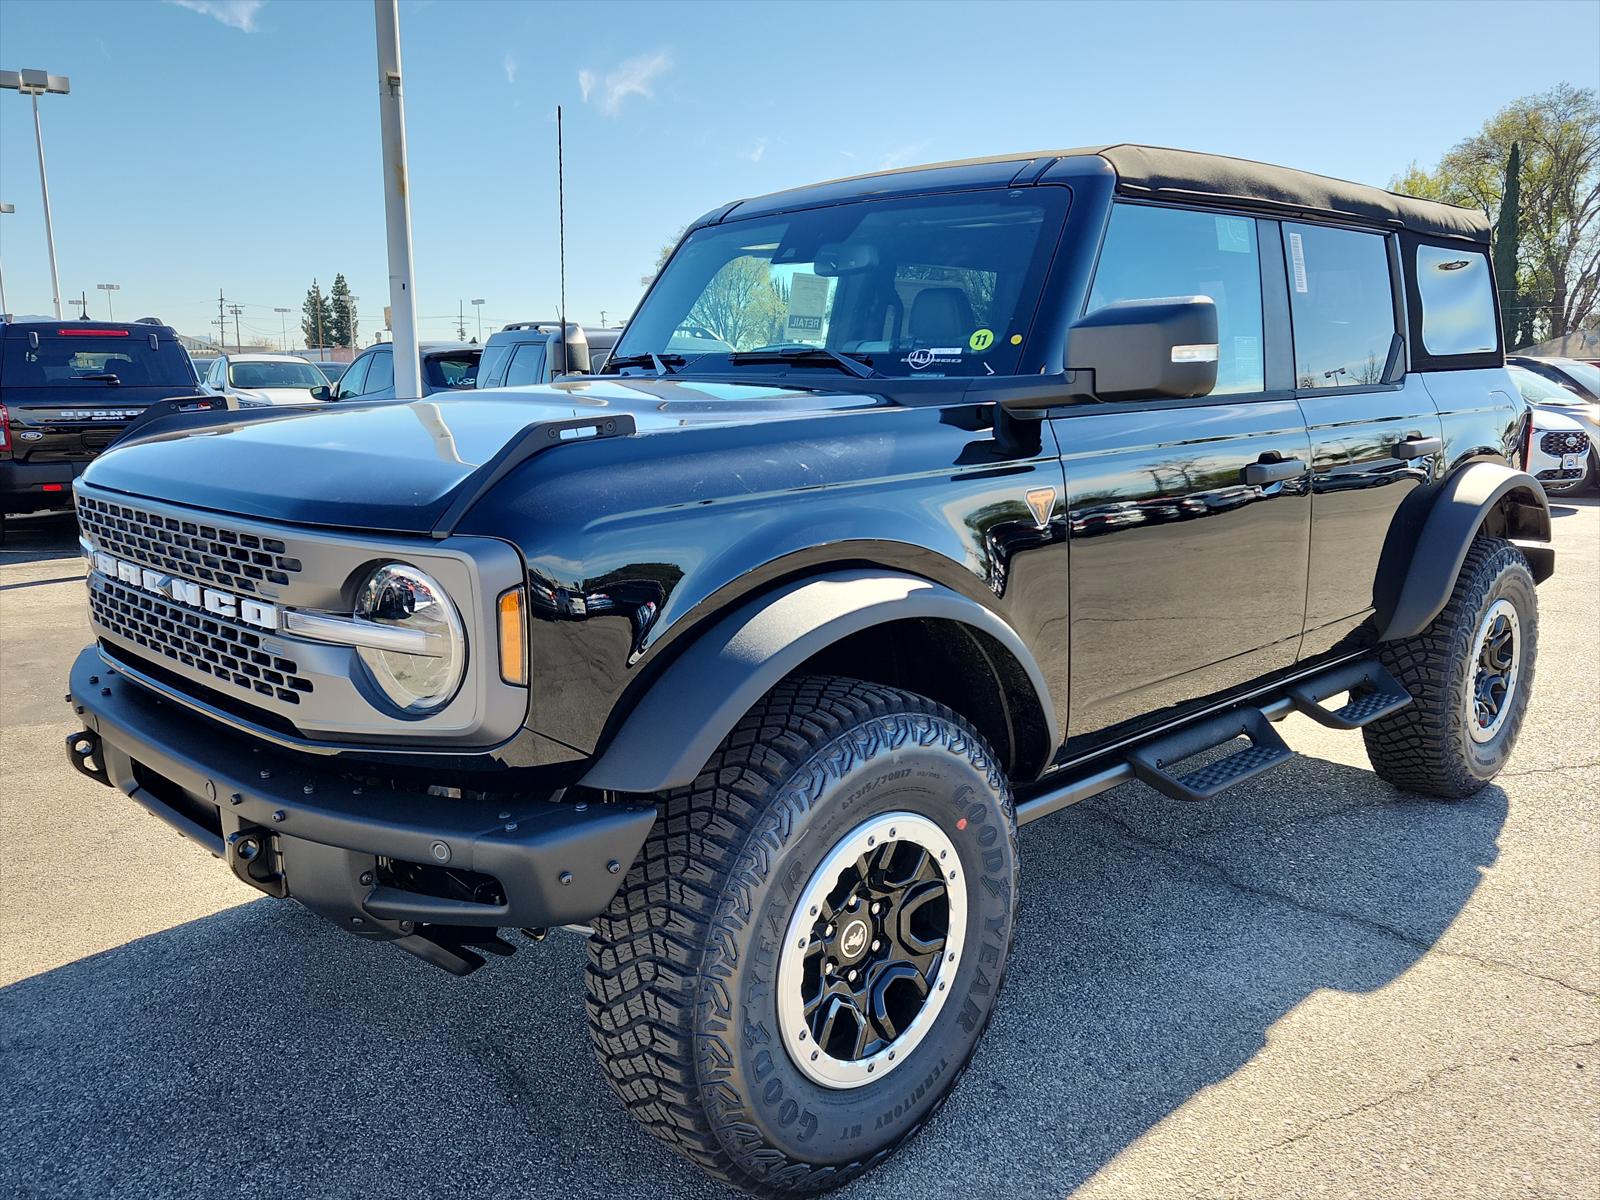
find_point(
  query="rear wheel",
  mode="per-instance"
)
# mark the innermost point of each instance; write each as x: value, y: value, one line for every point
x: 808, y: 949
x: 1469, y: 674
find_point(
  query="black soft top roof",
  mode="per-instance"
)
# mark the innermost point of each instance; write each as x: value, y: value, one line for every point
x: 1162, y: 173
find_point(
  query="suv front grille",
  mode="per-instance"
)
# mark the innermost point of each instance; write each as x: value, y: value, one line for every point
x: 1559, y: 443
x: 193, y: 549
x: 224, y: 651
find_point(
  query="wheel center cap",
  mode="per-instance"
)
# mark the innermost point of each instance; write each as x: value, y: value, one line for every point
x: 853, y: 938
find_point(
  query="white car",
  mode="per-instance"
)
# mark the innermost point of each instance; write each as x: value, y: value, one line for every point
x: 1561, y: 449
x: 259, y: 379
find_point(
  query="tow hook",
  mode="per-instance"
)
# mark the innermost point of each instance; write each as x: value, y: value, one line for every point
x: 253, y: 856
x: 83, y: 751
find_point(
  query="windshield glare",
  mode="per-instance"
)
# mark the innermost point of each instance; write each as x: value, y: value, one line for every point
x: 274, y: 375
x: 925, y: 286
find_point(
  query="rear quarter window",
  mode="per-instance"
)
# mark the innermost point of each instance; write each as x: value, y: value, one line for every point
x: 1457, y: 301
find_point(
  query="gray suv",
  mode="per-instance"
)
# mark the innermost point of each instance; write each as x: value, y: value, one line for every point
x: 529, y: 352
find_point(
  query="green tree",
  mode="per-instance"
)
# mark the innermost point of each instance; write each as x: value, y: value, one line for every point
x: 1557, y: 207
x: 316, y: 319
x: 1505, y: 247
x: 342, y: 328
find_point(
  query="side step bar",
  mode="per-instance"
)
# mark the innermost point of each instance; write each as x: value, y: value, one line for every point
x: 1265, y: 751
x: 1375, y: 693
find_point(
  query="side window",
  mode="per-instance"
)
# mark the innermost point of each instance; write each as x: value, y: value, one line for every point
x: 214, y: 375
x: 350, y: 381
x: 527, y: 365
x: 380, y: 375
x: 1457, y: 301
x: 1341, y: 303
x: 1151, y: 252
x: 492, y: 366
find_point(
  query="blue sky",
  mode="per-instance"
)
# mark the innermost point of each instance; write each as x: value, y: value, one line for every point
x: 233, y: 144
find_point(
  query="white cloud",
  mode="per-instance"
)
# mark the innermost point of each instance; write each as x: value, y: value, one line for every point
x: 902, y: 156
x: 512, y: 67
x: 756, y: 153
x: 236, y: 14
x: 635, y: 77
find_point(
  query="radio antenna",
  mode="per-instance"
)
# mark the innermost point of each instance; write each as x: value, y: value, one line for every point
x: 561, y: 227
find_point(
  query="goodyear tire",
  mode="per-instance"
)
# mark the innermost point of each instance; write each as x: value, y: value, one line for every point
x: 800, y: 964
x: 1469, y: 674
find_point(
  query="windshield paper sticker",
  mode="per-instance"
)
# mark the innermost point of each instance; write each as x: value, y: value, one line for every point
x: 1297, y: 256
x: 808, y: 306
x: 1233, y: 235
x: 927, y: 356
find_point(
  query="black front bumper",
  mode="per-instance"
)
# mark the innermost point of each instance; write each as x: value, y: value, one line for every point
x: 350, y: 852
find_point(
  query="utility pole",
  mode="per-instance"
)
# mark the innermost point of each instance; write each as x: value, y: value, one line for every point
x: 222, y: 324
x: 397, y: 204
x: 316, y: 302
x: 283, y: 316
x: 238, y: 342
x: 461, y: 321
x: 602, y: 318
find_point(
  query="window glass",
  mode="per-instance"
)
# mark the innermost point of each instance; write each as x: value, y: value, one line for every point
x: 1151, y: 253
x: 456, y: 370
x: 350, y: 381
x: 918, y: 286
x: 380, y: 375
x: 275, y: 375
x: 492, y: 365
x: 1342, y: 305
x: 1457, y: 301
x: 527, y: 366
x: 214, y: 378
x: 96, y: 362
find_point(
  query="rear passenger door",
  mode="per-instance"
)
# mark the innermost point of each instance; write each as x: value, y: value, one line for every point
x: 1375, y: 433
x: 1189, y: 519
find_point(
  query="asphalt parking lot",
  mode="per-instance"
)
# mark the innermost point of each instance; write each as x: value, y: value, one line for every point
x: 1316, y: 987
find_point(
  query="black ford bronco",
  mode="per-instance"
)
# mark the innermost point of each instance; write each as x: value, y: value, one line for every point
x: 909, y: 508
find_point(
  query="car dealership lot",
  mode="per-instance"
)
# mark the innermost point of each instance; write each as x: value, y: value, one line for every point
x: 1315, y: 986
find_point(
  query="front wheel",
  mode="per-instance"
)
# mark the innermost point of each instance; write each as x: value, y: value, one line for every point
x: 803, y: 958
x: 1469, y: 673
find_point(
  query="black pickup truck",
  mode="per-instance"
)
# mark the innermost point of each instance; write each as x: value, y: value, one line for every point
x: 68, y: 389
x: 908, y: 509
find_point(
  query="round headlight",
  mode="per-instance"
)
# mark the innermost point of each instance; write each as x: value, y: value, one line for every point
x: 423, y: 680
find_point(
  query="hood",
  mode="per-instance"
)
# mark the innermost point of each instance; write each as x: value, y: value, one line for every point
x: 397, y: 466
x: 275, y: 395
x: 1558, y: 418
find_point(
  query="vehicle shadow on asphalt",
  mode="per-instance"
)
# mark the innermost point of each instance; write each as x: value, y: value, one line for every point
x: 40, y: 537
x: 1158, y: 944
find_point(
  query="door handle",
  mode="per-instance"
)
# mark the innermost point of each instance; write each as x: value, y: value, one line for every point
x: 1274, y: 470
x: 1416, y: 446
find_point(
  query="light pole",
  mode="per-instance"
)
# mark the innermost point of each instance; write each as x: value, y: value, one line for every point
x: 82, y: 306
x: 108, y: 288
x: 283, y: 316
x: 478, y: 304
x: 397, y: 204
x: 35, y: 84
x: 4, y: 311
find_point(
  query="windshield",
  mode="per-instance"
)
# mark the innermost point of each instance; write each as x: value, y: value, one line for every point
x: 75, y: 359
x: 927, y: 286
x: 1536, y: 389
x: 1587, y: 374
x: 452, y: 370
x: 274, y: 375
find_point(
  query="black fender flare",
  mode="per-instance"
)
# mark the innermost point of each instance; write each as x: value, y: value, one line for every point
x: 1457, y: 512
x: 698, y: 699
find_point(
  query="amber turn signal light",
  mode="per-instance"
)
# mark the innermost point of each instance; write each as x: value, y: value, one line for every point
x: 513, y: 647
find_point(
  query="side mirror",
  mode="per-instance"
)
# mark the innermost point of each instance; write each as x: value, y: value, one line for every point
x: 325, y: 392
x: 1141, y: 350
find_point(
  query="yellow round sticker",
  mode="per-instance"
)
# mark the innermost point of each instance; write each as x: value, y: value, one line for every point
x: 1016, y: 339
x: 981, y: 340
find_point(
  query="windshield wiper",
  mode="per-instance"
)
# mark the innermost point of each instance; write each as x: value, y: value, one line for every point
x: 107, y: 377
x: 806, y: 355
x: 661, y: 362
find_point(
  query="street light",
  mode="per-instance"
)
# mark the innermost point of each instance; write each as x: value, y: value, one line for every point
x: 478, y: 304
x: 35, y: 84
x: 284, y: 318
x: 4, y: 311
x: 108, y: 288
